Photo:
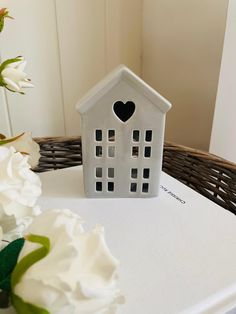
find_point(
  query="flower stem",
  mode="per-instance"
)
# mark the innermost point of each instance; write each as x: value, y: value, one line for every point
x: 30, y: 258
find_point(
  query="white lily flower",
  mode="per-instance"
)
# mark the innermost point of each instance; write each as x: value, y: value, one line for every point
x: 13, y: 76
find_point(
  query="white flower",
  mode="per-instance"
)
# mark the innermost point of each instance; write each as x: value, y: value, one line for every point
x: 19, y: 189
x: 78, y: 276
x: 13, y: 76
x: 25, y: 144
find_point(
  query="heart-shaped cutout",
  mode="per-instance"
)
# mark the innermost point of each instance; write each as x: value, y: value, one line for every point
x: 124, y: 111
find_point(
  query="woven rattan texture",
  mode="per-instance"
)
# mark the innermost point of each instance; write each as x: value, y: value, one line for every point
x: 59, y: 153
x: 207, y: 174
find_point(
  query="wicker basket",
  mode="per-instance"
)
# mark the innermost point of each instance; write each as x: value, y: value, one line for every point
x: 207, y: 174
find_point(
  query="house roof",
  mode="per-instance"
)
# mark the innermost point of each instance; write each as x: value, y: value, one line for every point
x: 107, y: 83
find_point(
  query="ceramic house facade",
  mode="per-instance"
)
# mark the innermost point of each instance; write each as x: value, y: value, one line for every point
x: 123, y: 121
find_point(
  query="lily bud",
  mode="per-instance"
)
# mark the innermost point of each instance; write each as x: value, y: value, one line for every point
x: 3, y: 14
x: 12, y: 75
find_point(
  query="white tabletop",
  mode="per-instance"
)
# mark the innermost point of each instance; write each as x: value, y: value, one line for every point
x: 177, y: 251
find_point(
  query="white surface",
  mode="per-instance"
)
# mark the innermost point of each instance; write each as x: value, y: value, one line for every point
x: 177, y: 255
x: 182, y: 47
x: 69, y: 46
x: 224, y: 123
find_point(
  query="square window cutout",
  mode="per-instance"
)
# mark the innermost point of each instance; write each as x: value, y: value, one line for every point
x: 147, y: 151
x: 135, y: 151
x: 111, y: 151
x: 111, y: 135
x: 99, y: 172
x: 111, y: 172
x: 98, y: 151
x: 146, y: 173
x: 136, y: 135
x: 148, y: 136
x: 110, y: 186
x: 145, y: 187
x: 134, y: 173
x: 98, y: 186
x: 133, y: 187
x: 98, y: 135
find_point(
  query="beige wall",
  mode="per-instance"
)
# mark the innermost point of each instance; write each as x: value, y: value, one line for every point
x: 124, y: 33
x: 223, y: 137
x: 94, y: 37
x: 78, y: 42
x: 182, y: 48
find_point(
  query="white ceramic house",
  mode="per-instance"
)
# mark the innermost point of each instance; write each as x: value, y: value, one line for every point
x: 123, y: 121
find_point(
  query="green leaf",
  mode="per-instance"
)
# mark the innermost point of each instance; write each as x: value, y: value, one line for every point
x: 20, y: 306
x: 23, y: 307
x: 30, y: 258
x: 8, y: 260
x: 2, y: 83
x: 9, y: 140
x: 4, y: 299
x: 9, y: 61
x: 1, y: 24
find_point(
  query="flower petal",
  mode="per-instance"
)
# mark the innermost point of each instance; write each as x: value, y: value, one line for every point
x: 11, y: 85
x: 24, y: 84
x: 26, y: 144
x: 14, y: 74
x: 21, y: 65
x: 19, y: 189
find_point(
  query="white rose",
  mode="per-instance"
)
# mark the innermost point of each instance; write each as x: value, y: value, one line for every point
x: 25, y: 144
x: 13, y: 76
x: 78, y: 276
x: 20, y: 188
